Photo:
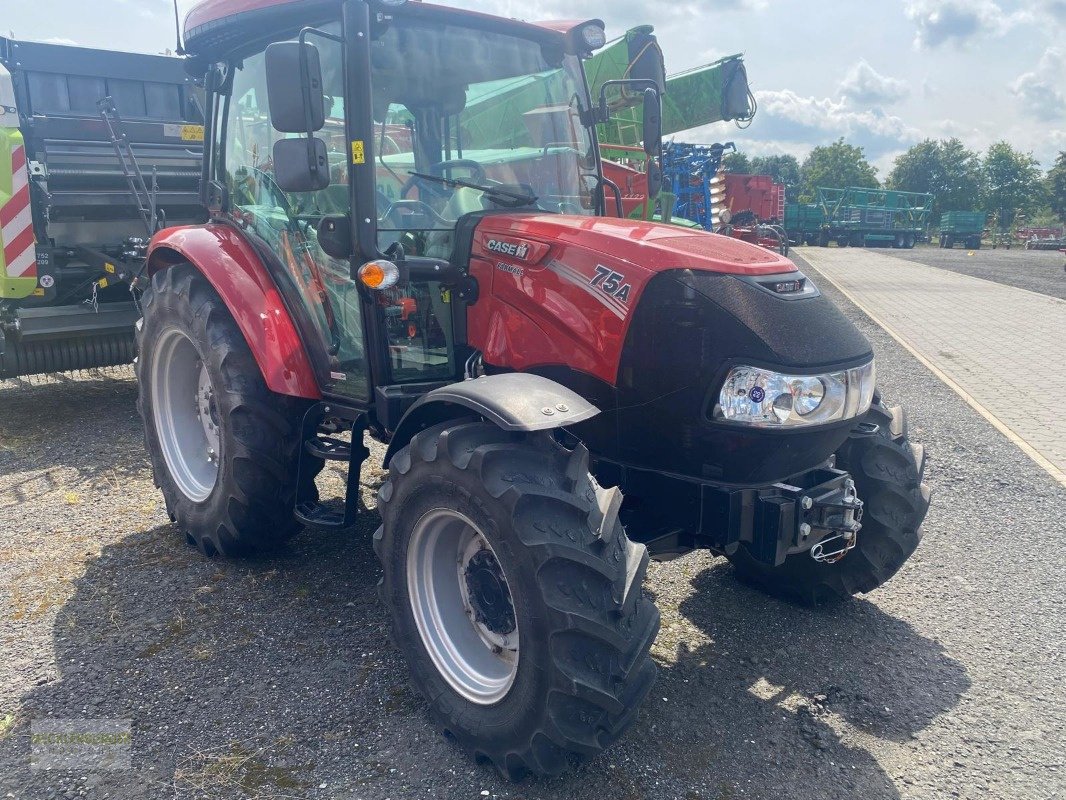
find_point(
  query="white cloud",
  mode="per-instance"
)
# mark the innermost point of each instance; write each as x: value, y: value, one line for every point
x: 837, y: 118
x: 866, y: 86
x: 941, y: 21
x: 1041, y: 92
x: 790, y: 123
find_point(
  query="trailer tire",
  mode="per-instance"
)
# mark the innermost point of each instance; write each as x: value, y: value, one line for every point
x: 571, y: 595
x: 888, y: 472
x: 909, y: 243
x: 246, y: 502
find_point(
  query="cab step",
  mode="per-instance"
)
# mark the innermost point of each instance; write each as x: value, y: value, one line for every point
x: 308, y: 509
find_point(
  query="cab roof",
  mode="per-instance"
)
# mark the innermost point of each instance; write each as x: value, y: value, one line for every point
x: 216, y: 27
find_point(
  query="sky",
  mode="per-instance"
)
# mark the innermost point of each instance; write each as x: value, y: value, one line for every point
x: 884, y: 75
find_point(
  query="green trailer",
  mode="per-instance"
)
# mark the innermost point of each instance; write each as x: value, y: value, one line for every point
x: 863, y: 217
x: 962, y: 227
x: 804, y: 222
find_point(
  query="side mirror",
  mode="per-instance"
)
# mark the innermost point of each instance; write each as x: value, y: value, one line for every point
x: 655, y: 180
x: 301, y: 165
x: 335, y: 236
x: 294, y: 87
x: 653, y: 123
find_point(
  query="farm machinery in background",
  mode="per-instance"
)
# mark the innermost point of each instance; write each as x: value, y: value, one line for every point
x: 747, y: 207
x: 863, y: 217
x: 715, y: 92
x: 860, y: 217
x: 693, y: 191
x: 1041, y: 238
x: 81, y: 191
x: 962, y: 227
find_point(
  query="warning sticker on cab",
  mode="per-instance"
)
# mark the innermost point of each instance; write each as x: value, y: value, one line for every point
x: 358, y: 152
x: 187, y: 133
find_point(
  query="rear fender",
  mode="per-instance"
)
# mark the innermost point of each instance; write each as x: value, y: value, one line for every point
x: 514, y: 401
x: 236, y: 272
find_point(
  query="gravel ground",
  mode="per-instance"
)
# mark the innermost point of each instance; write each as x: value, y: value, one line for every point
x: 1036, y: 270
x: 274, y: 677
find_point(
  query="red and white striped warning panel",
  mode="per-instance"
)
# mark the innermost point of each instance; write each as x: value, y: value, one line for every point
x: 16, y: 221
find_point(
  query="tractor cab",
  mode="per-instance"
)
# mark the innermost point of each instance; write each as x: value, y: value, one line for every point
x: 351, y: 140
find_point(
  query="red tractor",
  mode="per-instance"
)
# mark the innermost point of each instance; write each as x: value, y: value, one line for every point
x: 563, y: 394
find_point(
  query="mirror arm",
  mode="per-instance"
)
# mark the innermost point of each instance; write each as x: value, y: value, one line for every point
x: 634, y: 83
x: 305, y: 88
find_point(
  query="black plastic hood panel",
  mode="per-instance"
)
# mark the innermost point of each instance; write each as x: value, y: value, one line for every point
x: 746, y: 320
x: 688, y: 330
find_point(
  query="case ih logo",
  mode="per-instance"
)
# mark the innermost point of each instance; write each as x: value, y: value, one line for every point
x: 508, y: 248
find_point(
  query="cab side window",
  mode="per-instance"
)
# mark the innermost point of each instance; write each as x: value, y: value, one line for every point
x: 286, y: 221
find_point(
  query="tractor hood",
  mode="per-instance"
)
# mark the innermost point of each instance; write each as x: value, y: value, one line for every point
x: 651, y: 246
x: 645, y: 320
x: 565, y: 290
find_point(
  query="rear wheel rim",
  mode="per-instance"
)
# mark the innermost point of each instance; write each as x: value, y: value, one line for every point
x: 186, y: 415
x: 462, y: 606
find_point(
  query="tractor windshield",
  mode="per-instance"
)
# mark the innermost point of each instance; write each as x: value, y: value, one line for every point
x: 468, y: 120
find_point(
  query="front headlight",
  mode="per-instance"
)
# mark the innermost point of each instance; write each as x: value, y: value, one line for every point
x: 767, y: 399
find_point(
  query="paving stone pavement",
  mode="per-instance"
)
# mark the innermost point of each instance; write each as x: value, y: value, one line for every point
x: 1004, y: 347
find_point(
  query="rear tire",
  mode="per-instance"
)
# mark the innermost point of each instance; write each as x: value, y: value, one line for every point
x: 239, y: 498
x: 581, y: 625
x: 888, y: 471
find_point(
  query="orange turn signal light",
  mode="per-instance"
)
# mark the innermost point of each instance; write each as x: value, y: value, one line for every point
x: 379, y: 274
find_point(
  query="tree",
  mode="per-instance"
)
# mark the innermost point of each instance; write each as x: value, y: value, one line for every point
x: 736, y: 163
x: 945, y: 169
x: 1012, y: 181
x: 838, y: 165
x: 1056, y: 186
x: 783, y: 169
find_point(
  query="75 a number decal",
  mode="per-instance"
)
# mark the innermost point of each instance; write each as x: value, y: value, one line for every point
x: 612, y: 283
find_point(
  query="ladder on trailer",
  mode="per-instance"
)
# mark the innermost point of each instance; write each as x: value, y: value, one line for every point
x: 144, y: 198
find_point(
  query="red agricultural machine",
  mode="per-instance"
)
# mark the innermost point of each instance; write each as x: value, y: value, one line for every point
x: 563, y: 394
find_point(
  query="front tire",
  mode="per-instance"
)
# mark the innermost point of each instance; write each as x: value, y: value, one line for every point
x: 223, y: 447
x: 887, y: 470
x: 501, y: 544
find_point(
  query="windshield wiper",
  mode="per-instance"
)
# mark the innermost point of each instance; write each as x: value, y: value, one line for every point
x: 502, y: 196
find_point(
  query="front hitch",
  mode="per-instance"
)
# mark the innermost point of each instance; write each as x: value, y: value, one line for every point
x: 839, y: 513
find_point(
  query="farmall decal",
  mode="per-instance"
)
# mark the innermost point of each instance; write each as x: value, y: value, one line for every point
x: 511, y: 268
x: 513, y: 249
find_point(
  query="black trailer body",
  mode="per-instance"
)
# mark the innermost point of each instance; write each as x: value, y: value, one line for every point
x: 70, y: 305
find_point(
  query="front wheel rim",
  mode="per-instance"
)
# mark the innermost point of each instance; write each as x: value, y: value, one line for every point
x: 186, y: 415
x: 462, y: 606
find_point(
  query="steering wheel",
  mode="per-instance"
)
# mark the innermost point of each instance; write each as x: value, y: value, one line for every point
x: 417, y: 206
x: 443, y: 169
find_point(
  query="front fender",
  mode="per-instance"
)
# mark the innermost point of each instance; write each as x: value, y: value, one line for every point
x: 515, y: 401
x: 236, y: 272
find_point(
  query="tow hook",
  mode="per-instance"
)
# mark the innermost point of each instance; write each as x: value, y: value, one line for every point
x: 841, y: 516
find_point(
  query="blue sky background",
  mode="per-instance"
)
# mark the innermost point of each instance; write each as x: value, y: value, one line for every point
x: 883, y: 75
